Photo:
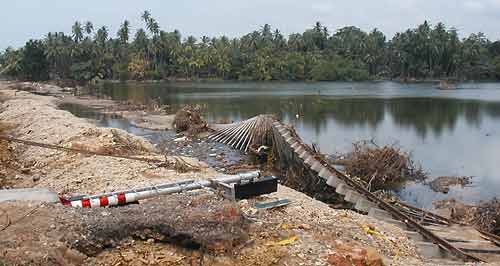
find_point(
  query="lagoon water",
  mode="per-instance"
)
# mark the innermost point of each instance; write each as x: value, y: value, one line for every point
x: 454, y: 132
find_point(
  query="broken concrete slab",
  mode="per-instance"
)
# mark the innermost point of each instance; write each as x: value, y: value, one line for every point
x: 29, y: 194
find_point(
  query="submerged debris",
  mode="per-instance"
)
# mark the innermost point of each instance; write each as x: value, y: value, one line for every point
x: 484, y: 216
x: 380, y: 167
x: 189, y: 120
x: 487, y: 216
x: 443, y: 183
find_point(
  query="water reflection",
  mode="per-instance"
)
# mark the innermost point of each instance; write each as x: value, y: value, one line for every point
x: 316, y: 107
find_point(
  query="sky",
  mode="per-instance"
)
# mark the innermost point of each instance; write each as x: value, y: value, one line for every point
x: 25, y: 19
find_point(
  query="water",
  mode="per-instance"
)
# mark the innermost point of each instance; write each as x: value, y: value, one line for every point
x: 448, y: 132
x: 198, y: 148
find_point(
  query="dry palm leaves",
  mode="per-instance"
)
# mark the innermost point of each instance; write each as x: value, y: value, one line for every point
x: 380, y: 167
x: 188, y: 120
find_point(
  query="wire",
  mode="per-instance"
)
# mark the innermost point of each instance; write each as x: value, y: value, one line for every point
x: 56, y: 147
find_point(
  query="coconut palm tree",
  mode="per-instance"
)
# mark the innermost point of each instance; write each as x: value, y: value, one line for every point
x: 77, y: 32
x: 89, y: 27
x: 124, y: 32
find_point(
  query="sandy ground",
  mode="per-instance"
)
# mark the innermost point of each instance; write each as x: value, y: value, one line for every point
x: 316, y: 234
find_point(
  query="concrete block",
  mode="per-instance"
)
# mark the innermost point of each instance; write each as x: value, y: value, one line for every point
x: 28, y: 194
x: 378, y: 213
x: 289, y: 139
x: 286, y: 134
x: 429, y: 250
x: 342, y: 189
x: 417, y: 237
x: 325, y: 173
x: 395, y: 223
x: 317, y: 166
x: 299, y: 149
x: 304, y: 154
x: 352, y: 196
x: 310, y: 161
x: 295, y: 145
x: 364, y: 205
x: 333, y: 181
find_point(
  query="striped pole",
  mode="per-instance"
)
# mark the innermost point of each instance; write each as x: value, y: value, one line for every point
x: 125, y: 197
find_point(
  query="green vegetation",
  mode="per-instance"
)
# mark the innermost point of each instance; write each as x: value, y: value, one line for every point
x: 426, y: 52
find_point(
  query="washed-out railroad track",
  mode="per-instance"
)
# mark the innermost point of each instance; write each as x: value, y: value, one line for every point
x: 436, y: 237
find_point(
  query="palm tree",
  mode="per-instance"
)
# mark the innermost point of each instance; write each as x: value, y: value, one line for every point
x: 89, y: 27
x: 77, y: 32
x: 146, y: 16
x: 124, y: 32
x: 102, y: 36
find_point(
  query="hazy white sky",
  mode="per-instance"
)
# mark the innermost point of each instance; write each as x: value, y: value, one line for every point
x: 24, y: 19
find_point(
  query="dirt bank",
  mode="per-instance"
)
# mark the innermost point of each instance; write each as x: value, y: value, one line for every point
x: 36, y: 118
x: 154, y: 117
x: 306, y: 232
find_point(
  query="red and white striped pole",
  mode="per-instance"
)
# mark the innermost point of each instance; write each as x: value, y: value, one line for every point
x: 125, y: 197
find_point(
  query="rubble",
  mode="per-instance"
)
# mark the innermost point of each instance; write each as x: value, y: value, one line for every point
x: 484, y: 215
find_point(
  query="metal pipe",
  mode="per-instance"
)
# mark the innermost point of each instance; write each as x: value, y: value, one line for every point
x: 124, y: 197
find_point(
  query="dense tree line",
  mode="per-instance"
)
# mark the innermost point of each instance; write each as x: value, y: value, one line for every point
x: 426, y: 52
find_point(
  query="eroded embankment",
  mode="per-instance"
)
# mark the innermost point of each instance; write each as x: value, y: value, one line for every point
x: 306, y: 232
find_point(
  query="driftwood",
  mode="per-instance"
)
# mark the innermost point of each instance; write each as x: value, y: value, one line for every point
x: 189, y: 120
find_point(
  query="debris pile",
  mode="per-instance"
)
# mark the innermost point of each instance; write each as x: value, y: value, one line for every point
x: 109, y: 141
x: 189, y: 120
x: 380, y: 167
x: 486, y: 216
x: 443, y: 183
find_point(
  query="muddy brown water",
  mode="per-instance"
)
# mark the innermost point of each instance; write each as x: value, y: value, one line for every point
x: 454, y: 132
